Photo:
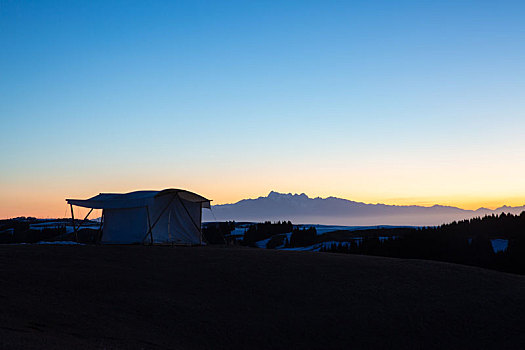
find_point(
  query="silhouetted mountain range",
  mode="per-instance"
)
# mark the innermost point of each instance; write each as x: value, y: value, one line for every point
x: 299, y: 208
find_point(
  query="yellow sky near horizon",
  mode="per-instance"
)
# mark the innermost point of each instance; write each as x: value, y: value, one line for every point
x: 51, y: 203
x: 467, y: 178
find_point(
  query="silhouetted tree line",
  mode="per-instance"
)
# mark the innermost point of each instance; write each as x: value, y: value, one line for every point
x: 302, y: 237
x: 278, y: 234
x: 264, y: 230
x: 464, y: 242
x: 217, y: 232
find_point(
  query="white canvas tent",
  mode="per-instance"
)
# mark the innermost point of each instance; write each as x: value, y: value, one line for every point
x: 171, y: 216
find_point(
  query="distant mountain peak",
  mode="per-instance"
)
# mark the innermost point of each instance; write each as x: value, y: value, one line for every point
x: 278, y: 195
x: 274, y: 194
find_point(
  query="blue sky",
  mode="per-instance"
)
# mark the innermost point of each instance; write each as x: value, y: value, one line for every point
x: 398, y: 102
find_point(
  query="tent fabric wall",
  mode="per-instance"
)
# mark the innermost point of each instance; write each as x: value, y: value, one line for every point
x: 127, y: 225
x: 173, y: 215
x: 176, y: 223
x: 182, y: 225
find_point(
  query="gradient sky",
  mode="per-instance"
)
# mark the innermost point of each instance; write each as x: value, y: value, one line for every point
x: 400, y: 102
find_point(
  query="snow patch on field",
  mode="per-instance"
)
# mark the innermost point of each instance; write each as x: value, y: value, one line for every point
x: 60, y: 243
x: 317, y: 247
x: 499, y: 245
x: 59, y: 225
x: 385, y: 238
x: 238, y: 231
x: 49, y: 243
x: 313, y: 248
x: 263, y: 243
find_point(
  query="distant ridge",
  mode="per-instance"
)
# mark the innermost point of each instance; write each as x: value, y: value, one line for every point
x: 299, y: 208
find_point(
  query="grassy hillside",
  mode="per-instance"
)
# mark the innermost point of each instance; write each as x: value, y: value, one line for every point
x: 113, y: 297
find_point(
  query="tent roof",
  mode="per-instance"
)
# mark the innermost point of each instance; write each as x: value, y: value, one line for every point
x: 134, y: 199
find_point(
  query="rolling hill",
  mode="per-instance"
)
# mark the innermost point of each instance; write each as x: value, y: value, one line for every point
x: 140, y: 297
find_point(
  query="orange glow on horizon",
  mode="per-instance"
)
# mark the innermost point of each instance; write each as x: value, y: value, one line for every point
x: 53, y: 205
x: 44, y: 196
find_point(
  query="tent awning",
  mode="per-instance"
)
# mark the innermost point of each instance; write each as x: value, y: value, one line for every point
x: 135, y: 199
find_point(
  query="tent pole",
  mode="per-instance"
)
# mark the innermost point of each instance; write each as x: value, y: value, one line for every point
x: 84, y: 219
x: 149, y: 224
x: 200, y: 221
x: 100, y: 229
x: 74, y: 226
x: 169, y: 225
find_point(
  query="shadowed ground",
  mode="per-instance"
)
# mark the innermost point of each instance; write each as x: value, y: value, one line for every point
x: 212, y: 297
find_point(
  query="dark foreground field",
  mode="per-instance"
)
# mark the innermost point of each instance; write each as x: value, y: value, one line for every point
x: 77, y: 297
